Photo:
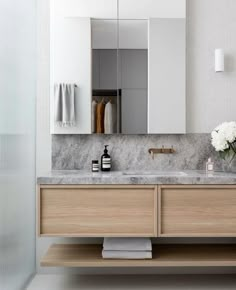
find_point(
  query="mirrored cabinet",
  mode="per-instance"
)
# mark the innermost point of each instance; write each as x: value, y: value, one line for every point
x: 118, y: 67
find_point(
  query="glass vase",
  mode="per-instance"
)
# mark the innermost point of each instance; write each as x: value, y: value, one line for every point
x: 231, y: 166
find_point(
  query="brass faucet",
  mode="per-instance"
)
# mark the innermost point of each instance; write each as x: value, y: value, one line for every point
x: 162, y: 150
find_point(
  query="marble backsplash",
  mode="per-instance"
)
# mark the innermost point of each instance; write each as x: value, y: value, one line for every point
x: 130, y: 152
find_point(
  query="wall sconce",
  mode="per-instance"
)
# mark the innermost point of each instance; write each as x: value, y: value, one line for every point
x: 219, y: 60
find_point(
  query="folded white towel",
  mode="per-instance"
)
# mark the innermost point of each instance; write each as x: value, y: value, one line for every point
x: 128, y: 255
x: 127, y: 244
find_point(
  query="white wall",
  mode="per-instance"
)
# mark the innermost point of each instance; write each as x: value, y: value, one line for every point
x: 210, y: 96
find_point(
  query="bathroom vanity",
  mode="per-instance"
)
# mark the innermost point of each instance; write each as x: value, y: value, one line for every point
x: 133, y: 204
x: 124, y: 65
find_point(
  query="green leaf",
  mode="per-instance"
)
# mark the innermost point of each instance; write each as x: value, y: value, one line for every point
x: 225, y: 154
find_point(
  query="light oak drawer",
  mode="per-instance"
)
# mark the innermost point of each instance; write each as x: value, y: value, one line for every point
x: 98, y: 211
x: 197, y: 211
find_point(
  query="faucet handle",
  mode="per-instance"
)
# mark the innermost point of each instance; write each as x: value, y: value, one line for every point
x: 163, y: 149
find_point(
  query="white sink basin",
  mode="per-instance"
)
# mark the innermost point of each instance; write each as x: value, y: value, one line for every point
x: 155, y: 173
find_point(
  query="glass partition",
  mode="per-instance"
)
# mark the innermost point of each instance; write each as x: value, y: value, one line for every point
x: 17, y: 142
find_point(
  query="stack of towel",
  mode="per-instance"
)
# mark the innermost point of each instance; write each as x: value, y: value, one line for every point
x: 127, y: 248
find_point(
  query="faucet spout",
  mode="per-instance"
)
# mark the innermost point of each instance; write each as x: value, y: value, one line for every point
x: 162, y: 150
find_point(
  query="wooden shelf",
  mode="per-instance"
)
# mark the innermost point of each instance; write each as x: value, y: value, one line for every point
x: 163, y: 256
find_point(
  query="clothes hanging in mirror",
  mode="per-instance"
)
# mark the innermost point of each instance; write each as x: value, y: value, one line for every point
x: 100, y: 117
x: 94, y: 116
x: 110, y: 119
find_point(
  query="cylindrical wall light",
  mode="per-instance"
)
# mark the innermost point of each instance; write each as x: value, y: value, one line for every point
x: 219, y: 60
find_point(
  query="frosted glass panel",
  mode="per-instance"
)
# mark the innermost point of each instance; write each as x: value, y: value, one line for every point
x: 17, y: 143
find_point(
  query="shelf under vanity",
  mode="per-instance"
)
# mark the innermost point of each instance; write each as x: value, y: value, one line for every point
x: 69, y: 255
x: 155, y: 211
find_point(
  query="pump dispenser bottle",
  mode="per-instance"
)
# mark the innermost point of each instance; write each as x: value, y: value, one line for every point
x: 106, y: 160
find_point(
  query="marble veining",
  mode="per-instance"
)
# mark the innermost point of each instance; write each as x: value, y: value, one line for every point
x: 118, y: 177
x: 130, y: 152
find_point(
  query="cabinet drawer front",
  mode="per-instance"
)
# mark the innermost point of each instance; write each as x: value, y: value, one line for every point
x: 198, y: 211
x: 98, y: 211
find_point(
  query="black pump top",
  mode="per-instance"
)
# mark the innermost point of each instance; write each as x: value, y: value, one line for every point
x: 106, y: 151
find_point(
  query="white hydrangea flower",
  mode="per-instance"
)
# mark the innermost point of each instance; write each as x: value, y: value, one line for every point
x: 219, y: 141
x: 223, y: 135
x: 230, y: 132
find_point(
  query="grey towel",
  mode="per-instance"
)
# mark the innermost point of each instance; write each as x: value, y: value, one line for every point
x: 64, y: 104
x: 127, y: 244
x: 129, y: 255
x: 110, y: 119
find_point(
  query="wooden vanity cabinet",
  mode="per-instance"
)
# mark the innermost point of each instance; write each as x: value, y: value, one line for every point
x: 138, y: 211
x: 197, y: 211
x: 98, y: 211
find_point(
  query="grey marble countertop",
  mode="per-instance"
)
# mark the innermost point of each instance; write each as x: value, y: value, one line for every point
x: 138, y: 177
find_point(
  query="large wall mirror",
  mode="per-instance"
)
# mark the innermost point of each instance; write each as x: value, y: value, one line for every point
x: 118, y: 67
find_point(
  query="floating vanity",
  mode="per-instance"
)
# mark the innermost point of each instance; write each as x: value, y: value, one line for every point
x: 138, y: 204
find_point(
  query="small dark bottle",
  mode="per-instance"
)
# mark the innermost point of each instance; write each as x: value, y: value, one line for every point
x: 95, y: 166
x: 106, y: 160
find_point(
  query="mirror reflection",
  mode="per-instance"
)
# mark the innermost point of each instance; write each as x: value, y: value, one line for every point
x: 120, y: 74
